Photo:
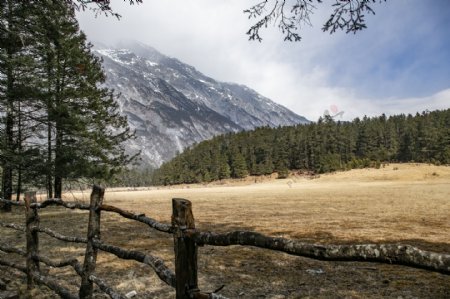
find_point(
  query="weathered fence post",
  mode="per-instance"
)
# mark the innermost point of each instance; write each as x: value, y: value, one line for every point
x: 185, y: 249
x: 90, y: 257
x: 32, y: 222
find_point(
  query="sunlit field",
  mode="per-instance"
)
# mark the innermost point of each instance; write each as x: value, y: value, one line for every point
x: 398, y: 203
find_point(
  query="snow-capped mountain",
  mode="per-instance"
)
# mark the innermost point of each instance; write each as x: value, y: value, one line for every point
x: 171, y: 105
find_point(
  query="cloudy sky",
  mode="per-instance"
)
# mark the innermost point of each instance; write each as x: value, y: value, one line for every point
x: 400, y: 64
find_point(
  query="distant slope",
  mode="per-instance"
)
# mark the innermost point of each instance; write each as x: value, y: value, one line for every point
x: 171, y: 105
x: 317, y: 147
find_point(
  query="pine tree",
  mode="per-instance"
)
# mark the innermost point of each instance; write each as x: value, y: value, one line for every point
x: 224, y: 170
x: 10, y: 40
x: 324, y: 146
x: 49, y: 88
x: 84, y: 124
x: 17, y: 89
x: 238, y: 165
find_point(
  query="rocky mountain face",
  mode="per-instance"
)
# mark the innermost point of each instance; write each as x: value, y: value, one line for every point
x: 171, y: 105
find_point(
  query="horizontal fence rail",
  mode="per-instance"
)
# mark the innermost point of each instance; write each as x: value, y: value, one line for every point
x: 405, y: 255
x: 59, y: 202
x: 186, y: 241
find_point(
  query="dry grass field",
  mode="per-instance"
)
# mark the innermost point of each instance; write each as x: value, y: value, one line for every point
x: 399, y: 203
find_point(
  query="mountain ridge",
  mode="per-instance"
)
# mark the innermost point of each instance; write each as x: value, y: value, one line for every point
x: 172, y: 105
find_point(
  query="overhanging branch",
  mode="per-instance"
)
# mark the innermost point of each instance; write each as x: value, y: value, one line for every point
x: 290, y: 15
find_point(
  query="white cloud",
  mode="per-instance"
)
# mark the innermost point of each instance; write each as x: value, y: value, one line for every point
x: 437, y: 101
x: 355, y: 73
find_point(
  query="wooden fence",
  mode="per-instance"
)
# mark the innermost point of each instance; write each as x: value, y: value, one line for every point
x: 186, y: 241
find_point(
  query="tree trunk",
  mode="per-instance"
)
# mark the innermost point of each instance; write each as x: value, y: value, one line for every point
x: 9, y: 138
x: 50, y: 98
x: 19, y: 183
x: 7, y: 175
x: 58, y: 127
x: 49, y: 160
x: 19, y: 152
x: 32, y: 222
x: 58, y: 186
x: 7, y: 187
x: 58, y: 167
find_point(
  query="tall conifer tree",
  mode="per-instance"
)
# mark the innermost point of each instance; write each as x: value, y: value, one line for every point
x: 50, y: 83
x: 85, y: 130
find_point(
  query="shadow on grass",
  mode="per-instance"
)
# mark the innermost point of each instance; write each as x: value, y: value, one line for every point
x: 246, y: 272
x: 250, y: 272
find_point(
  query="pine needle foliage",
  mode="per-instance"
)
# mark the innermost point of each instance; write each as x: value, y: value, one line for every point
x: 320, y: 147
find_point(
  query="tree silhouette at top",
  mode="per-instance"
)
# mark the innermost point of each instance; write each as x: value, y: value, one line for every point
x: 287, y: 15
x: 290, y: 15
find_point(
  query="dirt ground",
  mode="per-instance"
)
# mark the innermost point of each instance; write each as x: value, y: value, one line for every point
x: 398, y: 203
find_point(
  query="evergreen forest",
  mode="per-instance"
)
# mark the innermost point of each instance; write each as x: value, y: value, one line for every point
x: 57, y: 124
x: 320, y: 147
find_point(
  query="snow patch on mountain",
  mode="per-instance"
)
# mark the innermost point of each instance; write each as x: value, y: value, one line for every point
x: 171, y: 105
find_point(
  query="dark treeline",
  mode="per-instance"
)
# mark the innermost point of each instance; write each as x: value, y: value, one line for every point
x: 56, y: 121
x: 320, y: 147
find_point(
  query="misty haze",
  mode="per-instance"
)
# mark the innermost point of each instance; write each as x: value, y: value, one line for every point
x: 224, y: 149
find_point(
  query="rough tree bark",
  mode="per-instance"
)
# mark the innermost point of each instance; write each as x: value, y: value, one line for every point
x: 185, y: 249
x: 380, y: 253
x: 41, y: 279
x: 157, y: 264
x: 90, y: 257
x: 141, y: 218
x: 163, y: 272
x: 73, y: 262
x: 32, y: 222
